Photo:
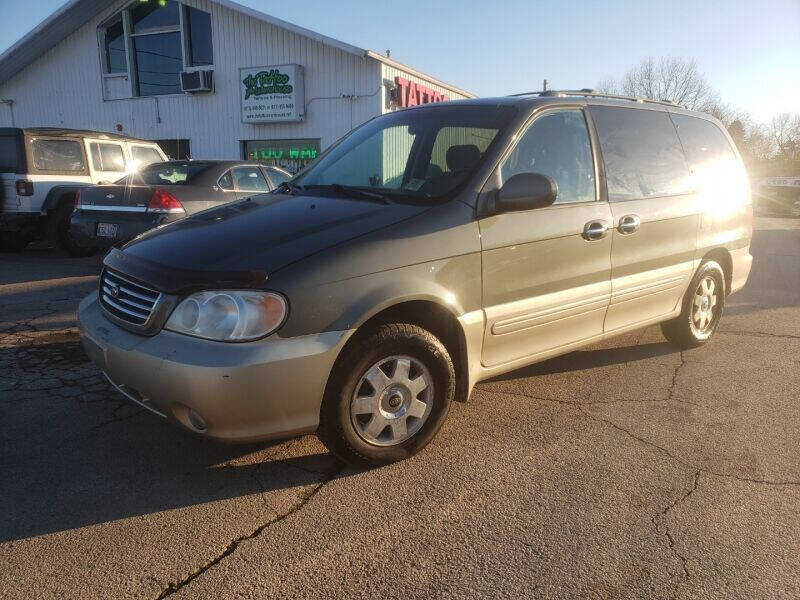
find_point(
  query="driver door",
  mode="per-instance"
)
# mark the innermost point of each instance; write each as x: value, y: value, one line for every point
x: 547, y: 272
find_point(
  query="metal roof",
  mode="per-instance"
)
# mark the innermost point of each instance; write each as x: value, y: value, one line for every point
x: 76, y: 13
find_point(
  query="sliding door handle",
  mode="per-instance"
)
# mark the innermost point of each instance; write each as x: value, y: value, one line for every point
x: 595, y: 230
x: 629, y: 224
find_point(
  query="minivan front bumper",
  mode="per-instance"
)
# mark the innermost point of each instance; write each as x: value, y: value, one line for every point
x: 241, y: 392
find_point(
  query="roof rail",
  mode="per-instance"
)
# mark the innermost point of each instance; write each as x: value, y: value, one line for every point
x: 594, y: 94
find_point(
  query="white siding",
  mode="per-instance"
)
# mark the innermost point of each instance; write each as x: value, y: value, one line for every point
x: 64, y: 88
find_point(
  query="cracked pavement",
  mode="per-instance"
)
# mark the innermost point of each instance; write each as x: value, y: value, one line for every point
x: 625, y: 470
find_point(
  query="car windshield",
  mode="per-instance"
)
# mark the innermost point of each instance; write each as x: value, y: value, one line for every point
x: 420, y: 154
x: 166, y: 173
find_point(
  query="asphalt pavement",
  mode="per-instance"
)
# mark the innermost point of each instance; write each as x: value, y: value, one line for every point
x: 625, y: 470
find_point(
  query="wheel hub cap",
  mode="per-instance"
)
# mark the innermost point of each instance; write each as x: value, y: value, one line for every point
x: 392, y: 400
x: 704, y: 306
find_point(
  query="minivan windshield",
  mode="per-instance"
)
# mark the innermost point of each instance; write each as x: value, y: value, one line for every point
x: 418, y: 154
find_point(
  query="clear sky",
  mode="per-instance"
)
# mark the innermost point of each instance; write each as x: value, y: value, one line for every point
x: 749, y: 51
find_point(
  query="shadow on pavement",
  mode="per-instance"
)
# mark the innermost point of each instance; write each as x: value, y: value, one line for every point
x: 590, y: 359
x: 75, y: 453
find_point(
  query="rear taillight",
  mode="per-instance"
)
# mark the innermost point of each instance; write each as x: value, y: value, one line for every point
x: 163, y: 201
x: 24, y: 188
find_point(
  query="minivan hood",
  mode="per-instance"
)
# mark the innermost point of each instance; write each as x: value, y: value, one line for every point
x: 257, y: 235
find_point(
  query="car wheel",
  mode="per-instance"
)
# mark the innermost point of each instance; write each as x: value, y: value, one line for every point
x: 702, y: 308
x: 387, y: 396
x: 58, y: 231
x: 13, y: 241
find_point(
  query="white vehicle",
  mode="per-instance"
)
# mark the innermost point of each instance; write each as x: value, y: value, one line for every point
x: 42, y: 171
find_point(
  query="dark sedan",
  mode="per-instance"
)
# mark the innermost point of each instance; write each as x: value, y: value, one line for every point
x: 163, y: 192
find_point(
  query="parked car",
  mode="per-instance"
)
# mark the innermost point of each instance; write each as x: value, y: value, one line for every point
x: 42, y: 169
x: 164, y: 192
x: 778, y: 196
x: 429, y: 249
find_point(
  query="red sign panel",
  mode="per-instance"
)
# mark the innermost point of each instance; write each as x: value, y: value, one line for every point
x: 409, y: 93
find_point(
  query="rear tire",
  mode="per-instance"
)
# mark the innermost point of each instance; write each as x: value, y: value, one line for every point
x: 387, y: 396
x: 703, y: 306
x: 58, y: 231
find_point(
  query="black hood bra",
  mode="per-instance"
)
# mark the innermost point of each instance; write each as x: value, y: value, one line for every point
x: 238, y: 245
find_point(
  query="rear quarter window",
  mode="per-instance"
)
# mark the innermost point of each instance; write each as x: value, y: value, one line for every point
x: 641, y: 151
x: 63, y: 156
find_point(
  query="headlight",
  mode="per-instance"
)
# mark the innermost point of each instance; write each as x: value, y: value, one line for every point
x: 228, y: 316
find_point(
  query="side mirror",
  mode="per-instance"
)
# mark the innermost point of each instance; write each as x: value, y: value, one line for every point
x: 526, y: 191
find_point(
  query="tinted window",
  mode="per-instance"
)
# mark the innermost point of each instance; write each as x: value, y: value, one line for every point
x: 144, y: 155
x: 556, y: 144
x: 703, y: 142
x: 107, y: 157
x: 641, y: 151
x: 170, y: 173
x: 158, y: 63
x: 250, y: 179
x: 115, y: 48
x: 716, y: 173
x: 277, y: 177
x: 150, y: 15
x: 226, y: 182
x: 57, y: 155
x: 199, y: 37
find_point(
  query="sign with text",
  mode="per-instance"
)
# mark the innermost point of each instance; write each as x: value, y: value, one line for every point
x: 273, y: 94
x: 409, y: 93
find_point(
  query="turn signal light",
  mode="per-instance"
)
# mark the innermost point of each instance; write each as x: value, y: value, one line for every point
x: 163, y: 201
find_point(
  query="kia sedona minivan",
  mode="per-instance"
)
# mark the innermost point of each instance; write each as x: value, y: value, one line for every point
x: 429, y: 249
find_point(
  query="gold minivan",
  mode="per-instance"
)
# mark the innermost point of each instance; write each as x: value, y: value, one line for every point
x: 428, y: 249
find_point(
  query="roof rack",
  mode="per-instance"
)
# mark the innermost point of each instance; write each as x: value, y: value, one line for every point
x: 594, y: 94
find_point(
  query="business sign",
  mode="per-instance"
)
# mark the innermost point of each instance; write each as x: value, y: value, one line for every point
x: 292, y: 155
x: 272, y: 94
x: 409, y: 93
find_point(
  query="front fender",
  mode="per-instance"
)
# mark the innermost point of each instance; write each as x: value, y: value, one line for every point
x: 453, y: 283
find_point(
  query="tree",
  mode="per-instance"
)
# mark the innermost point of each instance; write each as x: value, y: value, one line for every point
x: 675, y: 79
x: 784, y: 132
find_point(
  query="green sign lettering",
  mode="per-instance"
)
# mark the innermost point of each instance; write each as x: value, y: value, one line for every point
x: 267, y: 82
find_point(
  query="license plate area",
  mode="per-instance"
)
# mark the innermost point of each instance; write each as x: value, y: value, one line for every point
x: 107, y: 230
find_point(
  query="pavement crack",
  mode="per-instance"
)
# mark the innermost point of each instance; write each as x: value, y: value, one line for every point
x: 685, y: 463
x: 173, y: 587
x: 786, y: 336
x: 660, y: 523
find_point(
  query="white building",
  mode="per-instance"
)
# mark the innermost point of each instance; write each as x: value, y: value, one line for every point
x: 273, y: 90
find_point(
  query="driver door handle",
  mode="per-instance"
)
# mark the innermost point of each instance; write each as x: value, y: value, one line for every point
x: 629, y: 224
x: 595, y: 230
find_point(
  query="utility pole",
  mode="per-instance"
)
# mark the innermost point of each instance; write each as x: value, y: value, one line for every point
x: 544, y: 85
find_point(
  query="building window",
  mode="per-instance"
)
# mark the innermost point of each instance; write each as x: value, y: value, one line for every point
x: 114, y: 46
x: 198, y: 37
x: 291, y: 155
x: 152, y: 41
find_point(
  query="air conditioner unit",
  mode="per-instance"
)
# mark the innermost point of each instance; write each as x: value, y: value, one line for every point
x: 193, y: 82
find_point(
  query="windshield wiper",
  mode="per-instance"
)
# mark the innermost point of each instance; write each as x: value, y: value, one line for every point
x: 288, y: 187
x: 352, y: 192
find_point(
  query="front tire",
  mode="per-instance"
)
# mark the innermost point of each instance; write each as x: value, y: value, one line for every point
x: 703, y: 305
x: 58, y: 231
x: 387, y: 396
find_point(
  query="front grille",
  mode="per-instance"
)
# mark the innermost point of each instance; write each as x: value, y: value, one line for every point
x: 125, y: 300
